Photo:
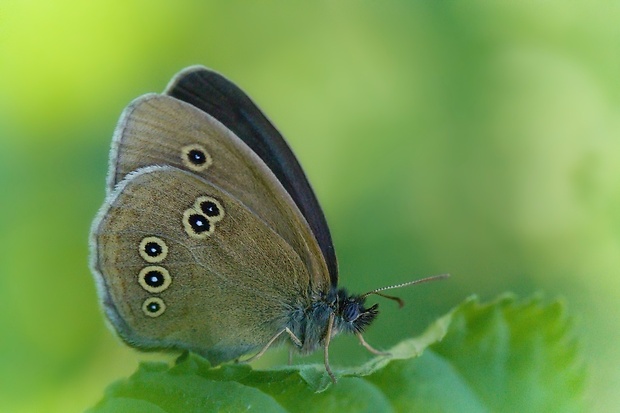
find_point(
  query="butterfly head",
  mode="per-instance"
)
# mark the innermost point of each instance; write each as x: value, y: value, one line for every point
x: 351, y: 313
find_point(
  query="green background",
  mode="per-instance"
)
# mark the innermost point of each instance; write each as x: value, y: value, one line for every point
x: 479, y: 138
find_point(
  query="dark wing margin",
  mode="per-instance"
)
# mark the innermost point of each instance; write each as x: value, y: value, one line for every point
x: 225, y: 101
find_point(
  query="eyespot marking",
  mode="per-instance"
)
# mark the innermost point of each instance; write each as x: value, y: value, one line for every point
x: 153, y: 307
x: 154, y: 279
x: 196, y: 157
x: 196, y: 224
x: 210, y: 207
x: 153, y: 249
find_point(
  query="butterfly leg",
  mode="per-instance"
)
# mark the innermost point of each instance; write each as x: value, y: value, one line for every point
x: 295, y: 339
x: 369, y: 347
x: 270, y: 342
x: 328, y: 337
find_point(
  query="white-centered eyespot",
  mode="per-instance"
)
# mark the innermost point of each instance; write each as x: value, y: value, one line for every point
x: 153, y: 307
x: 153, y: 249
x: 196, y: 157
x: 154, y: 279
x: 196, y: 224
x: 210, y: 207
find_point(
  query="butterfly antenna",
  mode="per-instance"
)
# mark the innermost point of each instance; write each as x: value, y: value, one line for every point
x: 398, y: 300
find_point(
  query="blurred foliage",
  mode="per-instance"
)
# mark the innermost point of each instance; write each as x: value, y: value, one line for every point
x: 505, y: 356
x: 478, y: 138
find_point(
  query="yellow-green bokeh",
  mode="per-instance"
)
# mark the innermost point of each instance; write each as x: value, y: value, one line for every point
x: 479, y: 138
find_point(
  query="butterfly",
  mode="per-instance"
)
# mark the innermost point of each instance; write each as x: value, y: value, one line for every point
x: 211, y: 238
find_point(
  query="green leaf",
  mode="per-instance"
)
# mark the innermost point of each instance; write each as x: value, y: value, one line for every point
x: 503, y: 356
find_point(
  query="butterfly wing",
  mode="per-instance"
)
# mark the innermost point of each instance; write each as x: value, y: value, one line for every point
x: 181, y: 263
x: 222, y: 99
x: 161, y: 130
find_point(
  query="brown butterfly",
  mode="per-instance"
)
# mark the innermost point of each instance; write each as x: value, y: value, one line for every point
x: 210, y: 238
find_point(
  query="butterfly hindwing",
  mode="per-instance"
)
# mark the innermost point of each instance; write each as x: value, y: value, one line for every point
x: 174, y: 253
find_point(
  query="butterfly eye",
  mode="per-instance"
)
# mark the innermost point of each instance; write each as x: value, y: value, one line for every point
x: 153, y: 307
x: 196, y: 224
x: 153, y: 249
x: 154, y: 279
x: 210, y: 207
x: 351, y: 311
x: 195, y: 157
